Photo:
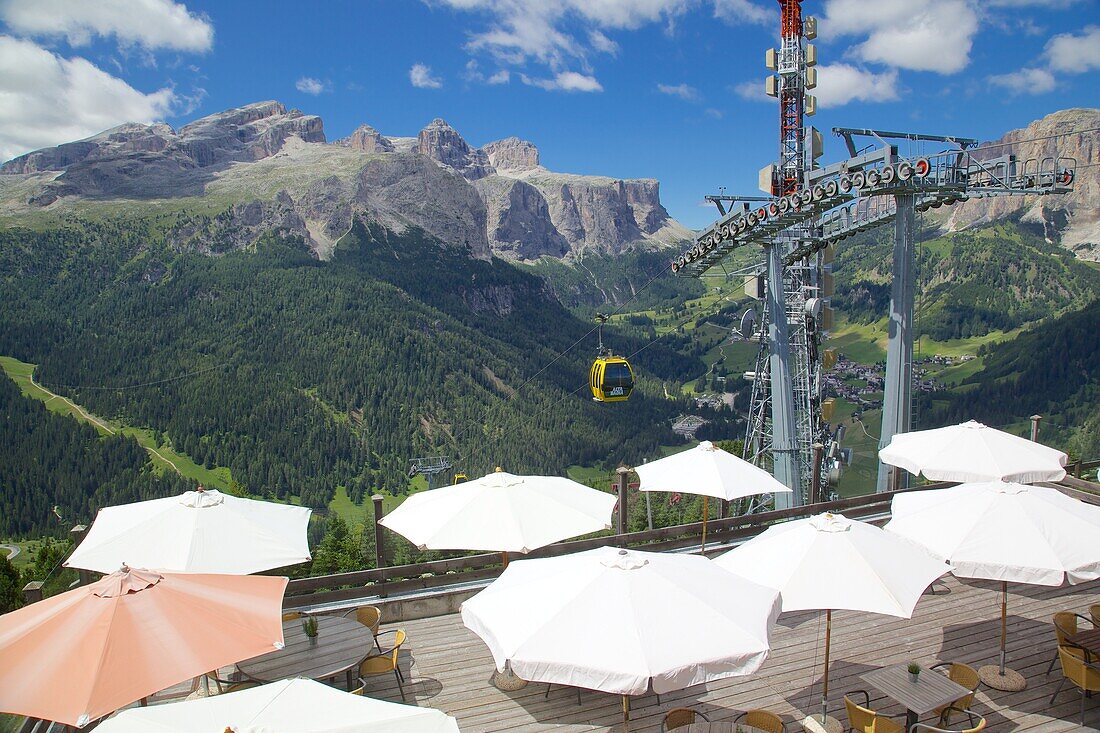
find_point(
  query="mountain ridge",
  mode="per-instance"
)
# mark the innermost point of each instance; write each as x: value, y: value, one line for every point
x: 264, y: 167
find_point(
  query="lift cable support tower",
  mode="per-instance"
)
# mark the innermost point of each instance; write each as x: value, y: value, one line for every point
x: 430, y: 467
x: 867, y: 190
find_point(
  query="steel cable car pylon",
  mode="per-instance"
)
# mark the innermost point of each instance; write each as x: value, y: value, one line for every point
x: 611, y: 378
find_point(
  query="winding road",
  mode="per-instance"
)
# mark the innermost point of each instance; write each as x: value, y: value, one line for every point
x: 12, y: 550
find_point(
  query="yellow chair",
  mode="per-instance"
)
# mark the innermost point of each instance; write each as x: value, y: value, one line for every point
x: 862, y: 719
x: 681, y: 717
x: 369, y: 616
x: 964, y: 675
x: 1065, y: 625
x: 385, y: 662
x: 1086, y: 676
x: 359, y: 690
x: 291, y: 615
x: 975, y: 721
x: 1094, y: 611
x: 762, y: 719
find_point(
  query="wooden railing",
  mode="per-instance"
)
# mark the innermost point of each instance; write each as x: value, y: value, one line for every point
x: 437, y: 574
x: 402, y: 579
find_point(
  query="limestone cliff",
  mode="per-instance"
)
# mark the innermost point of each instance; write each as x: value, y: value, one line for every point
x: 264, y: 168
x: 1073, y: 218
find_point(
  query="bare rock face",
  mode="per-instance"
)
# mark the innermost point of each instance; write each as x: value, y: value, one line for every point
x: 512, y: 154
x: 519, y: 224
x: 253, y: 132
x: 442, y: 143
x: 368, y: 140
x: 1072, y: 218
x: 275, y: 170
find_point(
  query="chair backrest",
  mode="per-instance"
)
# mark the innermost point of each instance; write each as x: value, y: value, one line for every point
x: 359, y: 690
x: 678, y: 718
x: 1065, y: 624
x: 1076, y: 671
x: 977, y: 723
x: 1094, y: 612
x: 291, y: 615
x: 764, y: 720
x: 398, y: 640
x: 369, y: 616
x: 860, y: 719
x: 966, y: 676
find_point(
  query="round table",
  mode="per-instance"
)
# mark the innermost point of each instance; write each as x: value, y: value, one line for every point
x: 340, y: 645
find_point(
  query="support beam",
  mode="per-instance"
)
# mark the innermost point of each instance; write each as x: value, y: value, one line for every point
x: 897, y: 400
x: 784, y: 439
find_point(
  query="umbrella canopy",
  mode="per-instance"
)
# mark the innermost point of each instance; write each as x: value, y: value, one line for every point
x: 85, y: 653
x: 501, y: 512
x: 1004, y: 531
x: 623, y: 621
x: 707, y: 470
x: 198, y: 532
x: 286, y: 706
x: 1007, y: 532
x: 973, y: 452
x: 831, y: 562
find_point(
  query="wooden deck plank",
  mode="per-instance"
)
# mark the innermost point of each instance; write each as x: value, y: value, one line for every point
x: 449, y: 668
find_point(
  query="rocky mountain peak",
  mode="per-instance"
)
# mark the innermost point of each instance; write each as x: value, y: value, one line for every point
x: 1073, y: 218
x: 442, y: 143
x: 512, y: 154
x: 368, y: 140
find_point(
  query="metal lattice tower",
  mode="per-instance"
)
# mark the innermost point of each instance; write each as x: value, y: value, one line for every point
x: 785, y: 410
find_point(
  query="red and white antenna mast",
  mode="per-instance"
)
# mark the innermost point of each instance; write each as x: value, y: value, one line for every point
x: 794, y: 62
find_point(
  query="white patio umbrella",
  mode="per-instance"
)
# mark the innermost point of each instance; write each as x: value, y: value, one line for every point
x: 202, y: 531
x: 286, y: 706
x: 1007, y: 532
x: 973, y: 452
x: 831, y: 562
x: 501, y: 512
x: 623, y: 621
x: 707, y: 470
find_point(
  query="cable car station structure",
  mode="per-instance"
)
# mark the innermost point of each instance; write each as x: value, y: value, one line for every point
x: 810, y: 209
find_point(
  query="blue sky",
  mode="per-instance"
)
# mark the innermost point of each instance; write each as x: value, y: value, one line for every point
x: 668, y: 89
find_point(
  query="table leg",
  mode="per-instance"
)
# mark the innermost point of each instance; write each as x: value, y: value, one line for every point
x: 910, y: 720
x: 350, y: 680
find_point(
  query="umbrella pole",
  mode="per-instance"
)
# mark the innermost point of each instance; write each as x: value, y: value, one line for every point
x: 706, y: 511
x: 1004, y: 622
x: 825, y: 683
x: 504, y: 558
x: 626, y: 713
x: 998, y: 676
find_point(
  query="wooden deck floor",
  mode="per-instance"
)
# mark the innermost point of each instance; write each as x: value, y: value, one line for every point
x: 449, y: 668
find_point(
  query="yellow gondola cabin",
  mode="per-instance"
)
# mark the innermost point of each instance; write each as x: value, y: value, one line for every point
x: 611, y: 379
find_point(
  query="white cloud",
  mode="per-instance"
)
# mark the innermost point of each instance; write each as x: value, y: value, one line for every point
x: 683, y: 91
x: 565, y: 81
x: 421, y: 77
x: 714, y: 113
x: 1025, y: 81
x: 523, y: 30
x: 752, y: 91
x: 602, y: 43
x: 500, y: 77
x: 152, y: 24
x: 744, y: 11
x: 309, y: 85
x: 839, y: 84
x: 1075, y: 53
x: 48, y: 100
x: 921, y: 35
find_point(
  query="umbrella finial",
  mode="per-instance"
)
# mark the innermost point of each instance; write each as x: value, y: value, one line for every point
x: 499, y: 470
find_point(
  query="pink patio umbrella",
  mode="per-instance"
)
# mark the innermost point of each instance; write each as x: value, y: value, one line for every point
x: 83, y: 654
